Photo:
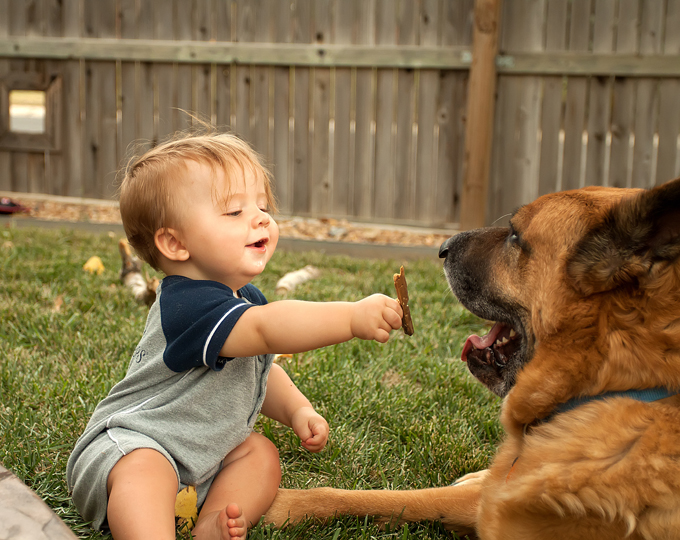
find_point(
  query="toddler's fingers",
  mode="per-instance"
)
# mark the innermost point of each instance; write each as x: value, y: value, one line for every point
x: 393, y: 318
x: 304, y: 433
x: 397, y: 307
x: 315, y: 444
x: 319, y: 428
x: 382, y: 335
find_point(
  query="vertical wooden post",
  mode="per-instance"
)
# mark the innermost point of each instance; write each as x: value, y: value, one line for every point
x: 480, y: 112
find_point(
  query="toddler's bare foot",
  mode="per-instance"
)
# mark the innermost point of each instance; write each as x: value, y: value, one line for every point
x: 229, y: 524
x: 236, y: 524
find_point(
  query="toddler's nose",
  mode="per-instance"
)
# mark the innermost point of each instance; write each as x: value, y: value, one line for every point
x: 263, y: 219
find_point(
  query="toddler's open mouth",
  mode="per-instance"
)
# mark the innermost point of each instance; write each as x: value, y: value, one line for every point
x: 259, y: 244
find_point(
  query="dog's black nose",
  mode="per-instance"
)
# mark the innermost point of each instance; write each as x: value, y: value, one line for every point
x: 444, y: 248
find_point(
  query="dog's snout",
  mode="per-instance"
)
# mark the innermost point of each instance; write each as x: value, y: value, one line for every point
x: 444, y: 248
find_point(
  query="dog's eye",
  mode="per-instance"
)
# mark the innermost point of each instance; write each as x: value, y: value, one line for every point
x: 515, y: 239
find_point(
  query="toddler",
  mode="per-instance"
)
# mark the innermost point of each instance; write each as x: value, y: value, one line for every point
x: 198, y: 209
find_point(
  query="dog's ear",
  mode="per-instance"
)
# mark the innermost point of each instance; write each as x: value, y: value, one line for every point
x: 636, y: 233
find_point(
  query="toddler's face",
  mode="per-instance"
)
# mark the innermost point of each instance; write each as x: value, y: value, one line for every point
x: 229, y: 243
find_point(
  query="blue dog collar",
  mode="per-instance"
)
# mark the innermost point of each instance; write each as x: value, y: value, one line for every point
x: 647, y: 396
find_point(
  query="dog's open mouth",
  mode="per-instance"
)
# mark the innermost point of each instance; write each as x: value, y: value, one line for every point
x: 496, y: 347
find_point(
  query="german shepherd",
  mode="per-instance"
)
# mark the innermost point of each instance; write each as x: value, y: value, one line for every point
x: 584, y: 289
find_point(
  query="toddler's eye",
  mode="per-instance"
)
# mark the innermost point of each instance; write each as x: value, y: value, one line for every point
x: 233, y: 213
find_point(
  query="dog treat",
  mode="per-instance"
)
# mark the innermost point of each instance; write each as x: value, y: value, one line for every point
x: 402, y: 296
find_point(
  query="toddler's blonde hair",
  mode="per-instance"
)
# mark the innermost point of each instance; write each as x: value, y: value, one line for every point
x: 148, y: 201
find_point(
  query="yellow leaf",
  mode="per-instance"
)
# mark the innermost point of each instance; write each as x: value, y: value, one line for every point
x: 94, y: 265
x: 185, y: 508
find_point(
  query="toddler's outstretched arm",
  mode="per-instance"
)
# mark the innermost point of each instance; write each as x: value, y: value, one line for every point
x: 292, y: 326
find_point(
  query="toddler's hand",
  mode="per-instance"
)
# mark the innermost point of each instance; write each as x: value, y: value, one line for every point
x: 374, y: 317
x: 311, y: 427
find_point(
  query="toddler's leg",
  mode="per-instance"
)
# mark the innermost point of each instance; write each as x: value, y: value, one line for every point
x: 242, y: 491
x: 142, y: 490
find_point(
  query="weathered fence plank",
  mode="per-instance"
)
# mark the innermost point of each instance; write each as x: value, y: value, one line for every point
x: 668, y: 157
x: 321, y: 175
x: 341, y: 130
x: 405, y: 137
x: 54, y: 162
x: 365, y: 94
x: 282, y: 136
x: 19, y: 166
x: 301, y: 33
x: 5, y: 156
x: 130, y: 73
x: 385, y: 154
x: 189, y: 24
x: 576, y: 100
x: 100, y: 153
x: 425, y: 174
x: 71, y: 70
x: 550, y: 168
x: 599, y: 98
x: 514, y: 180
x: 647, y: 98
x: 164, y: 79
x: 624, y: 95
x: 452, y: 114
x: 145, y: 100
x: 200, y: 22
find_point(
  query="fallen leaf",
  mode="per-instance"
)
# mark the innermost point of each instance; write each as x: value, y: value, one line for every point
x: 94, y: 265
x: 186, y: 511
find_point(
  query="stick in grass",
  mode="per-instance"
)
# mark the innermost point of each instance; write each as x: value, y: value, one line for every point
x: 402, y: 296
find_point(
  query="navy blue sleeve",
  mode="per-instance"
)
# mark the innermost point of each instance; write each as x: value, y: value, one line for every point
x: 197, y: 317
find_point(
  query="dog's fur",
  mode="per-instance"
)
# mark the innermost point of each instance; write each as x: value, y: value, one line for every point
x: 589, y: 282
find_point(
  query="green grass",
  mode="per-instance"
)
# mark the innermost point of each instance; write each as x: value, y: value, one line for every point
x: 403, y: 415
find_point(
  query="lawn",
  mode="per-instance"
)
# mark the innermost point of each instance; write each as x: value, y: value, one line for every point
x: 403, y: 415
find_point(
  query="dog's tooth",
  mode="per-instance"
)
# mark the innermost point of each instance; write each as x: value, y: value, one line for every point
x: 505, y: 340
x: 512, y: 333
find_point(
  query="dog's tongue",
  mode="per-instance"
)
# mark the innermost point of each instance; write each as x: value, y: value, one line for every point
x: 478, y: 342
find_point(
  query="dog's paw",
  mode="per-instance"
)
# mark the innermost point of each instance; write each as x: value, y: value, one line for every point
x: 472, y: 478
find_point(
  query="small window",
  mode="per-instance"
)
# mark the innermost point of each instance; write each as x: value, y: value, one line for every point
x: 30, y: 111
x: 27, y: 111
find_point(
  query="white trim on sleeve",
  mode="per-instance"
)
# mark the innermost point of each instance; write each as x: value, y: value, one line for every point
x: 212, y: 332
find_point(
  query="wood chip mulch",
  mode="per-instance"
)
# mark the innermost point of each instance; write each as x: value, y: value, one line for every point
x: 296, y: 227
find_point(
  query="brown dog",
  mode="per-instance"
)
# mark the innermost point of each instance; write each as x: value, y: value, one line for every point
x: 584, y: 287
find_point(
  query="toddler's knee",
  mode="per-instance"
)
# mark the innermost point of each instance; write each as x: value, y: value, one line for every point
x: 267, y: 454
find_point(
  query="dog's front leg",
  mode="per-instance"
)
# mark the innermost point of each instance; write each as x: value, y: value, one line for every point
x: 455, y: 506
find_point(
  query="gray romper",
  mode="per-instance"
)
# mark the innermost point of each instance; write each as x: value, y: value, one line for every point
x: 178, y: 397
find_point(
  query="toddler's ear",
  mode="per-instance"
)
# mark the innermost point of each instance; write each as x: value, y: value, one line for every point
x: 171, y: 247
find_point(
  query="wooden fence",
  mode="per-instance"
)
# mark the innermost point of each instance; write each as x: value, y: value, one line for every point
x: 359, y: 106
x: 607, y: 112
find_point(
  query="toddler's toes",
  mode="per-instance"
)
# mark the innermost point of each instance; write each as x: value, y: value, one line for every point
x: 236, y: 522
